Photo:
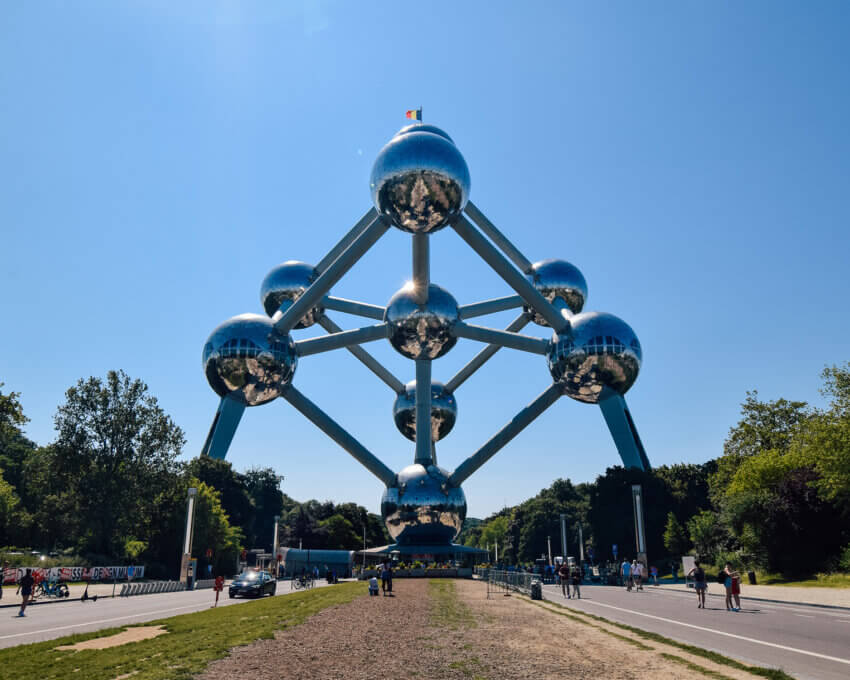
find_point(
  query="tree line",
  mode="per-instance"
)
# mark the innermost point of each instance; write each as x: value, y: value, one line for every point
x: 111, y: 487
x: 777, y: 499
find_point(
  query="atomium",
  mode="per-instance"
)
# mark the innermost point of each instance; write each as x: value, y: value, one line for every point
x: 420, y: 184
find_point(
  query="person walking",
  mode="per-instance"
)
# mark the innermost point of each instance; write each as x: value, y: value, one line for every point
x: 218, y: 587
x: 626, y: 571
x: 653, y: 574
x: 564, y: 575
x: 25, y: 589
x: 385, y: 575
x: 637, y: 574
x: 576, y: 579
x: 700, y: 586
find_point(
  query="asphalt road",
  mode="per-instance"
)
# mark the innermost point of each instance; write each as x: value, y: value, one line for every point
x: 805, y: 641
x: 49, y: 621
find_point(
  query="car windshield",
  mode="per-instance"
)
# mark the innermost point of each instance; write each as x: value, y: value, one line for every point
x: 248, y: 576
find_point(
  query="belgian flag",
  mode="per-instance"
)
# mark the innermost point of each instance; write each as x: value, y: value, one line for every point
x: 414, y: 114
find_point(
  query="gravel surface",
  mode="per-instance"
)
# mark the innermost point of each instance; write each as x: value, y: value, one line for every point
x: 452, y: 634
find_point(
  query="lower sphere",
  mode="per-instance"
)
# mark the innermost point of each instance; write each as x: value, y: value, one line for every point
x: 443, y: 411
x: 603, y: 351
x: 421, y: 508
x: 422, y: 331
x: 246, y: 359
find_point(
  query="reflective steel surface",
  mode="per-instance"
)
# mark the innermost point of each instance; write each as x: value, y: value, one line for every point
x: 604, y: 350
x: 248, y: 360
x: 424, y: 127
x: 558, y: 279
x: 422, y: 508
x: 285, y: 283
x: 422, y: 331
x: 443, y: 411
x: 420, y: 179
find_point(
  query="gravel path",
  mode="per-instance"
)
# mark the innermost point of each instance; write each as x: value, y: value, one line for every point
x: 446, y: 632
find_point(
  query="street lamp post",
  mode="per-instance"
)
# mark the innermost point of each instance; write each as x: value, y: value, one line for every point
x: 564, y: 536
x: 187, y: 538
x: 549, y: 548
x: 276, y: 545
x: 640, y: 536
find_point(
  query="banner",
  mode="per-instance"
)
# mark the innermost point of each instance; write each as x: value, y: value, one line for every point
x: 14, y: 574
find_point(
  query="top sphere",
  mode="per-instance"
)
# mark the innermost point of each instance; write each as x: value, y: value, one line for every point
x: 602, y: 352
x: 246, y: 359
x: 284, y: 285
x: 422, y: 331
x: 420, y: 180
x: 424, y: 127
x: 558, y: 279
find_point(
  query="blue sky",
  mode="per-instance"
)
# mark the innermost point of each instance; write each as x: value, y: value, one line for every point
x: 692, y: 159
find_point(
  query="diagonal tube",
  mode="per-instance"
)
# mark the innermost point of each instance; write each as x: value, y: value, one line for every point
x: 623, y: 430
x: 326, y: 343
x: 421, y: 267
x: 353, y: 307
x: 423, y: 412
x: 331, y: 428
x: 490, y: 306
x: 320, y: 287
x: 467, y: 231
x: 522, y: 420
x: 525, y: 343
x: 347, y: 240
x: 367, y: 359
x: 484, y: 355
x: 497, y: 237
x: 223, y: 428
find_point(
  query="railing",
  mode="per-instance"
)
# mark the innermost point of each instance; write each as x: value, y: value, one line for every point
x: 506, y: 582
x: 130, y: 589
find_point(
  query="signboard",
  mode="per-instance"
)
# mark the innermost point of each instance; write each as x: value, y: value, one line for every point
x: 14, y: 574
x: 687, y: 564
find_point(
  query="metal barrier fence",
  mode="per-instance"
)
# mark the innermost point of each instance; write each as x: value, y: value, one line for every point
x: 130, y: 589
x: 506, y: 582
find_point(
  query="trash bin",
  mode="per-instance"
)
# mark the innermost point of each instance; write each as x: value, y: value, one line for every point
x: 751, y: 575
x: 536, y: 590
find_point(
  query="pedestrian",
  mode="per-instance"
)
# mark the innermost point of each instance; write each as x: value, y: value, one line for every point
x: 576, y: 579
x: 25, y: 589
x: 390, y: 578
x: 3, y: 571
x: 653, y: 574
x: 626, y: 571
x: 373, y: 586
x: 732, y: 583
x: 700, y: 586
x: 564, y: 575
x: 637, y: 575
x: 385, y: 574
x: 218, y: 587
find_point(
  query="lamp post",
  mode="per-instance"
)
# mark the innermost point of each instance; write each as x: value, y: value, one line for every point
x: 564, y: 536
x: 640, y: 536
x: 187, y: 537
x: 276, y: 546
x: 549, y: 548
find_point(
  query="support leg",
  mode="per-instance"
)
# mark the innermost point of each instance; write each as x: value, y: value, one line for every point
x: 623, y: 430
x: 423, y: 412
x: 223, y: 428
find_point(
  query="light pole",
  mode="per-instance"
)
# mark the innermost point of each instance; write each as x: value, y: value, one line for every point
x: 564, y: 536
x: 187, y: 537
x: 549, y: 548
x: 580, y: 543
x: 640, y: 536
x: 276, y: 545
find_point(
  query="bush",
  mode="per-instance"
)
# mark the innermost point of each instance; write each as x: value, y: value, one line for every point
x: 844, y: 559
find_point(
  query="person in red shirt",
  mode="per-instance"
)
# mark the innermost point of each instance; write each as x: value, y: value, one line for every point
x: 218, y: 587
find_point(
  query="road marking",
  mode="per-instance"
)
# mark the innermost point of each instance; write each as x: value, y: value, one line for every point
x: 720, y: 632
x: 89, y: 623
x: 805, y: 616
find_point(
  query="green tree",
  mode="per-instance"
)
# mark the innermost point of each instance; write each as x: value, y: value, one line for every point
x: 232, y: 487
x: 264, y: 489
x: 213, y: 531
x: 339, y: 534
x: 706, y: 534
x: 493, y: 533
x: 675, y: 538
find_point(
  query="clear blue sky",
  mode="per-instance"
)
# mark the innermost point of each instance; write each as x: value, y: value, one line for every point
x: 691, y: 158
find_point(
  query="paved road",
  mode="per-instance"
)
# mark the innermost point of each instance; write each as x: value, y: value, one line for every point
x: 49, y: 621
x: 805, y: 641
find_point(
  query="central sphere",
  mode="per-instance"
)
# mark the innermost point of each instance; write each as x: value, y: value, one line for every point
x: 602, y: 352
x: 421, y: 508
x: 284, y: 284
x: 420, y: 179
x: 422, y: 331
x: 443, y: 411
x: 246, y: 359
x: 557, y: 279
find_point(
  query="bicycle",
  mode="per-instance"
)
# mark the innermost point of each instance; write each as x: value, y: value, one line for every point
x: 300, y: 582
x: 50, y: 589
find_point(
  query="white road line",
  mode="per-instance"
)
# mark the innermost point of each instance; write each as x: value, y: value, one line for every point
x: 805, y: 616
x: 90, y: 623
x: 720, y: 632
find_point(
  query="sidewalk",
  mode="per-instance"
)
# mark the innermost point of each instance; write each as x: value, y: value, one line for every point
x: 823, y: 597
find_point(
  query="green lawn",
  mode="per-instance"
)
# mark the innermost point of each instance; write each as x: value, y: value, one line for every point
x: 192, y: 642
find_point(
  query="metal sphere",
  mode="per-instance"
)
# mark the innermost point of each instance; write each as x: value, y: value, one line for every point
x: 558, y: 279
x: 422, y: 331
x: 284, y: 284
x: 246, y: 359
x: 443, y: 411
x: 422, y: 508
x: 603, y: 351
x: 420, y: 179
x: 424, y: 127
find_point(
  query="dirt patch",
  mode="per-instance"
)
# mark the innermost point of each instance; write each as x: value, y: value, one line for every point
x: 122, y: 638
x: 449, y: 630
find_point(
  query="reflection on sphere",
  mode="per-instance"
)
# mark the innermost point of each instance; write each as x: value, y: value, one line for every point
x: 422, y: 331
x: 285, y: 284
x: 422, y: 508
x: 246, y: 359
x: 443, y: 411
x: 604, y: 351
x: 557, y: 279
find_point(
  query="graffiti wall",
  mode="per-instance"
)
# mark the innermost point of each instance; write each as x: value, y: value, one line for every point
x: 13, y: 574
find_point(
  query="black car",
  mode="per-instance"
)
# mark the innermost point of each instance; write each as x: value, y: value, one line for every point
x: 253, y: 584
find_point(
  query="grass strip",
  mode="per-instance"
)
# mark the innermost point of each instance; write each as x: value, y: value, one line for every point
x: 192, y: 642
x: 695, y: 667
x: 771, y: 673
x: 446, y: 610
